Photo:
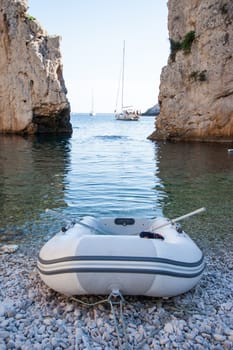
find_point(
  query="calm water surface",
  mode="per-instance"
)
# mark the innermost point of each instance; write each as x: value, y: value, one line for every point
x: 109, y: 168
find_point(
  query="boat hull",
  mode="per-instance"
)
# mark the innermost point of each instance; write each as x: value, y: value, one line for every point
x: 79, y: 261
x: 127, y: 116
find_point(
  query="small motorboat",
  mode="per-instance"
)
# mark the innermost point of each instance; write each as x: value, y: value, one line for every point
x: 135, y: 256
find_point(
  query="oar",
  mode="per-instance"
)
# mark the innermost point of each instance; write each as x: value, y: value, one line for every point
x: 173, y: 221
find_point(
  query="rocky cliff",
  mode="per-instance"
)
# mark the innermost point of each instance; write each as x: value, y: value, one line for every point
x: 32, y: 90
x: 196, y: 86
x: 152, y: 111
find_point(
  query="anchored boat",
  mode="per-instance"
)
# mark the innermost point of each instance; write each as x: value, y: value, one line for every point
x: 127, y: 112
x: 136, y: 256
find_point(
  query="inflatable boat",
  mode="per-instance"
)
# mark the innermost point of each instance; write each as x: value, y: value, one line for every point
x: 136, y: 256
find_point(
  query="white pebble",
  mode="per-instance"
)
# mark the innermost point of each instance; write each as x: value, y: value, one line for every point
x: 168, y: 328
x: 219, y: 337
x: 47, y: 321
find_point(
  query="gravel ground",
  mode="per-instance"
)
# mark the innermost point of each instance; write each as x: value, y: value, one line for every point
x: 33, y: 317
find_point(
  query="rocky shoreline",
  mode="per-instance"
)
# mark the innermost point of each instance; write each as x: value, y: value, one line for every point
x: 33, y: 317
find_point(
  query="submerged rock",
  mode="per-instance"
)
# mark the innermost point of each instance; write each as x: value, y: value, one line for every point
x: 32, y: 89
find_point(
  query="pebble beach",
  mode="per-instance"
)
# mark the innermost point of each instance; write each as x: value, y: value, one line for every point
x: 34, y: 317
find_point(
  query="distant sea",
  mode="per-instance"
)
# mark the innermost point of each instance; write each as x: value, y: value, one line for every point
x: 110, y: 168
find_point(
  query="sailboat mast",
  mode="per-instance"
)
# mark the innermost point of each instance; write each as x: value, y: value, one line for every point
x: 123, y: 77
x: 92, y: 101
x: 92, y: 112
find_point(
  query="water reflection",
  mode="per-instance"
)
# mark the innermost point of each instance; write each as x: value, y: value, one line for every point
x: 113, y: 169
x: 196, y: 175
x: 110, y: 169
x: 32, y: 174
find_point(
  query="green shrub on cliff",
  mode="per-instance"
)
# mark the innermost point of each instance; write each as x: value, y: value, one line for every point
x: 184, y: 45
x: 198, y: 76
x: 31, y: 18
x: 174, y: 47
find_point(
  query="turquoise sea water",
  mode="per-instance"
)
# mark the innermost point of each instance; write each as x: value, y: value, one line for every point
x: 110, y: 168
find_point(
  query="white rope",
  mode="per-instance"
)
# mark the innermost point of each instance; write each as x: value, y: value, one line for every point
x: 89, y: 304
x: 116, y: 325
x: 122, y: 319
x: 78, y: 222
x: 114, y: 298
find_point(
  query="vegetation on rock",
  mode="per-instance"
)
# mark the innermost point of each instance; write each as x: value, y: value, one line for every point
x: 184, y: 45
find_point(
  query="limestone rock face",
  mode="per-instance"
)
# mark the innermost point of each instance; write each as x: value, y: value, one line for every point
x: 32, y: 90
x: 196, y: 86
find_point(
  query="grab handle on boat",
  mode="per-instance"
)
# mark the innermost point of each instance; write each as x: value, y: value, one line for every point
x: 173, y: 221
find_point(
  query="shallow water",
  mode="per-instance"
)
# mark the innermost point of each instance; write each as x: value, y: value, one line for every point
x: 109, y: 168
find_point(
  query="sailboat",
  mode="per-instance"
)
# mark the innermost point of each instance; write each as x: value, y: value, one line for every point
x: 92, y: 112
x: 127, y: 112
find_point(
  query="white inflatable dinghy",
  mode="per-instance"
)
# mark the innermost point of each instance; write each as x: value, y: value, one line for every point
x: 136, y: 256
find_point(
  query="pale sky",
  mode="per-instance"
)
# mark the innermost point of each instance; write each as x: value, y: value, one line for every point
x: 92, y: 34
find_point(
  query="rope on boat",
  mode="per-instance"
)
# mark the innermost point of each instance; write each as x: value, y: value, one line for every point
x: 114, y: 298
x: 92, y: 228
